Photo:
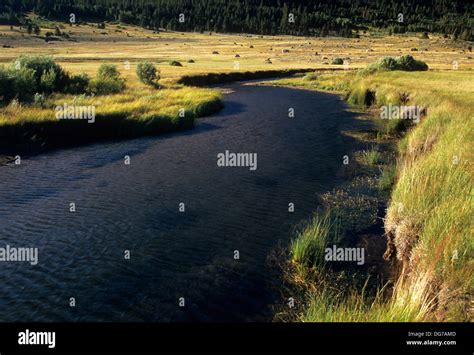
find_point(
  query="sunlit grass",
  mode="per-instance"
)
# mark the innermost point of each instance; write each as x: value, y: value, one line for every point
x: 309, y: 245
x: 429, y: 217
x: 139, y: 110
x: 371, y: 157
x: 324, y: 81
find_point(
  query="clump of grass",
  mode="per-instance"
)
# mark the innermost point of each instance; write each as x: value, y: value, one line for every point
x: 309, y: 246
x: 354, y: 211
x: 387, y: 178
x: 361, y: 95
x: 337, y: 61
x: 395, y: 127
x: 371, y: 157
x: 310, y: 77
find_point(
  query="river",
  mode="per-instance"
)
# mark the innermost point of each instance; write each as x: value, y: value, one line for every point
x: 173, y: 254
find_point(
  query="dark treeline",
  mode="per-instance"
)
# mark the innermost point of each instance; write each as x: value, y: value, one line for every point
x: 322, y: 17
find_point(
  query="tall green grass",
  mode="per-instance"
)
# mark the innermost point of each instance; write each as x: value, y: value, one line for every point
x: 309, y: 246
x: 388, y: 176
x: 371, y: 157
x: 429, y: 217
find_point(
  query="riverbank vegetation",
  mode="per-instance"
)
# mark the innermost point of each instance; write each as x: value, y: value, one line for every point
x: 222, y: 78
x: 113, y: 109
x: 427, y: 221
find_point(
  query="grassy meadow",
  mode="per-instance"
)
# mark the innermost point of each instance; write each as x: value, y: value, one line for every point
x: 180, y: 58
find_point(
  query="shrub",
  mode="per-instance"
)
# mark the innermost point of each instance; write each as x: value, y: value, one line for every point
x: 48, y: 75
x: 108, y: 71
x: 108, y: 81
x: 337, y: 61
x: 388, y: 63
x: 106, y: 86
x: 78, y: 84
x: 25, y: 85
x: 7, y: 85
x: 404, y: 62
x: 175, y: 63
x: 47, y: 81
x: 147, y: 73
x: 408, y: 63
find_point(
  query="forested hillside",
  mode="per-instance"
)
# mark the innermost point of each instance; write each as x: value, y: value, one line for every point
x: 303, y: 17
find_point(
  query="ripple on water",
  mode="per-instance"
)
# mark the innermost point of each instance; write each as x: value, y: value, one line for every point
x: 135, y: 208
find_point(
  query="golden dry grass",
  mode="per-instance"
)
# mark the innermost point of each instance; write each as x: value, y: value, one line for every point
x: 133, y: 44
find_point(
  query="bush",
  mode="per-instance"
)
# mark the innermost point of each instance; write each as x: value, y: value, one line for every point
x: 47, y: 81
x: 388, y: 63
x: 175, y: 63
x: 338, y: 61
x: 30, y: 75
x: 108, y: 71
x: 25, y: 85
x: 78, y: 84
x: 408, y: 63
x: 147, y: 73
x: 108, y: 81
x: 48, y: 75
x: 220, y: 78
x: 7, y: 85
x: 404, y: 62
x: 106, y: 86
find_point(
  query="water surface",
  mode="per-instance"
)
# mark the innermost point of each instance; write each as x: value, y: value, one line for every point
x: 135, y: 207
